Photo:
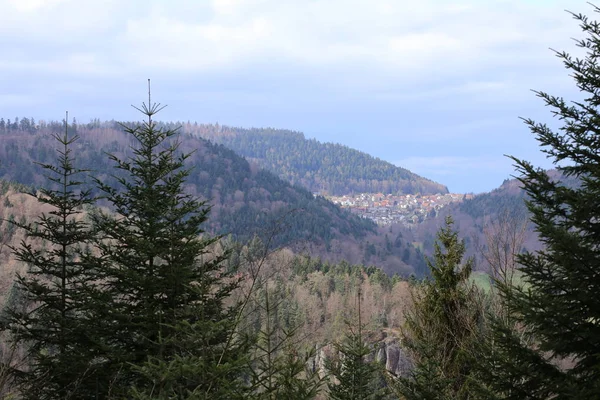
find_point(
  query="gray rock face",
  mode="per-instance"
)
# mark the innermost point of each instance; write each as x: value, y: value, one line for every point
x: 396, y: 360
x: 387, y: 352
x: 381, y: 355
x: 393, y: 356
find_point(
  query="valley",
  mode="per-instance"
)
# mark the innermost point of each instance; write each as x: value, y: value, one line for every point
x: 313, y: 253
x: 391, y: 229
x: 305, y: 200
x: 407, y: 210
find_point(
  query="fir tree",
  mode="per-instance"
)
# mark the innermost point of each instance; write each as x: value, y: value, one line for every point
x: 162, y: 321
x: 50, y: 319
x: 555, y: 352
x: 352, y: 376
x: 442, y: 325
x: 279, y: 367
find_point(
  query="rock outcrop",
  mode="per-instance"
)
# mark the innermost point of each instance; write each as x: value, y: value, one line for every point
x: 387, y: 351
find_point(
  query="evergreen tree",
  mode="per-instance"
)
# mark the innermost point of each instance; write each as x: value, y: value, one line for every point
x: 442, y: 325
x: 49, y: 322
x: 162, y: 323
x: 555, y: 352
x: 279, y: 366
x: 354, y: 377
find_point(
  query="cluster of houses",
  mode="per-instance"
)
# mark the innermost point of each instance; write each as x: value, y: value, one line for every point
x: 391, y: 209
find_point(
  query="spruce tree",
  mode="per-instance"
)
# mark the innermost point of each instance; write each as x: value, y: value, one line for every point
x: 555, y: 352
x: 279, y: 366
x: 162, y: 321
x: 50, y: 320
x: 442, y: 325
x: 352, y: 376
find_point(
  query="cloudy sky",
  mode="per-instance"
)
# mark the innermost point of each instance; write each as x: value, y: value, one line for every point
x: 436, y: 86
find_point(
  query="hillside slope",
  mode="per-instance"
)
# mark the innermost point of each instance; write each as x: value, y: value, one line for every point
x: 242, y: 197
x: 245, y: 199
x: 500, y: 212
x: 326, y: 168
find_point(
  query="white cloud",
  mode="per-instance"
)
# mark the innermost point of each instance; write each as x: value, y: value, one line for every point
x: 405, y: 75
x: 178, y: 45
x: 401, y: 39
x: 483, y: 90
x: 40, y: 25
x: 29, y: 6
x: 355, y: 46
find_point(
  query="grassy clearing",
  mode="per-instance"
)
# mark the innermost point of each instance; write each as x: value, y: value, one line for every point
x: 482, y: 280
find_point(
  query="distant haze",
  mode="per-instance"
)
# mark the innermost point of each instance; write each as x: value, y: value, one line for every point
x: 433, y: 86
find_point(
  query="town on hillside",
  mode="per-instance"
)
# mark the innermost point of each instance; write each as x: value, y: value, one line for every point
x: 407, y: 209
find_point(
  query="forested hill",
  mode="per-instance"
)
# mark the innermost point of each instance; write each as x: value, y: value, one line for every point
x: 500, y: 212
x: 246, y: 200
x: 328, y: 168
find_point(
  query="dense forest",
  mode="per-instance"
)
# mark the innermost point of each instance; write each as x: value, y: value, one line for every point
x: 116, y: 283
x: 320, y: 294
x: 479, y: 218
x: 246, y: 200
x: 249, y: 201
x: 243, y: 197
x: 95, y: 254
x: 326, y: 168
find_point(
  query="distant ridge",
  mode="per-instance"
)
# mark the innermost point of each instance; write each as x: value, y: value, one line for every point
x: 245, y: 199
x: 326, y: 168
x: 474, y: 215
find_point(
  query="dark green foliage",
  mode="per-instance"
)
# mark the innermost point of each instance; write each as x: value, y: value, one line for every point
x: 294, y: 380
x: 426, y: 381
x: 303, y: 265
x: 332, y: 168
x: 485, y: 204
x: 48, y: 307
x: 279, y: 362
x: 246, y: 200
x: 162, y: 322
x: 200, y: 361
x: 352, y: 376
x: 555, y: 352
x: 443, y: 324
x: 279, y: 365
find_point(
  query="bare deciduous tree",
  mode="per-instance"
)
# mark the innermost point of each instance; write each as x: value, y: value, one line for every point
x: 504, y: 238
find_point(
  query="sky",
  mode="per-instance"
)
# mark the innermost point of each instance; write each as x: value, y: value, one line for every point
x: 435, y: 86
